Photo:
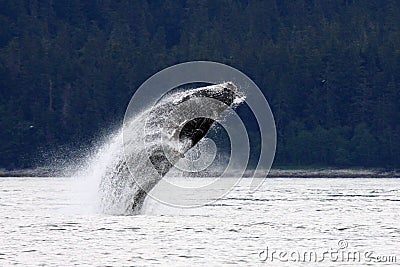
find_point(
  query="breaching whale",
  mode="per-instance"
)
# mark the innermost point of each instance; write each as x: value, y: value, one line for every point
x: 154, y: 141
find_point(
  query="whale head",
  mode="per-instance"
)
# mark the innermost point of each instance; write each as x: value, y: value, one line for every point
x: 222, y: 96
x: 179, y: 122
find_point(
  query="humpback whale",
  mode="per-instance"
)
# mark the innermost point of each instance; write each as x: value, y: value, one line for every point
x: 154, y: 141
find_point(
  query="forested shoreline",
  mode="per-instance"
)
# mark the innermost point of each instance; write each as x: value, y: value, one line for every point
x: 329, y: 69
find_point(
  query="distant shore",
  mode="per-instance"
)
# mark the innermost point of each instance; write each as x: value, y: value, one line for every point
x: 293, y: 172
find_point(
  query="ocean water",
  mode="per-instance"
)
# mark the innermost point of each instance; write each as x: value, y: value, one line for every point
x: 287, y: 222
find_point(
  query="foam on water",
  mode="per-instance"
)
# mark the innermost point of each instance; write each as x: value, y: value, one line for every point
x: 87, y: 179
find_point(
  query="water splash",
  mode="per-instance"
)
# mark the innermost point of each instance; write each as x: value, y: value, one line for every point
x: 135, y: 158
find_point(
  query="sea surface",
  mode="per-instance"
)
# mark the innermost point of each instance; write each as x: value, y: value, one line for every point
x: 287, y: 222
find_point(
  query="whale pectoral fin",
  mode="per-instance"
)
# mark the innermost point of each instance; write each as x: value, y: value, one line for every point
x: 195, y: 129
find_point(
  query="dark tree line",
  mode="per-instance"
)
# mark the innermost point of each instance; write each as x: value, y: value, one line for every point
x: 329, y: 68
